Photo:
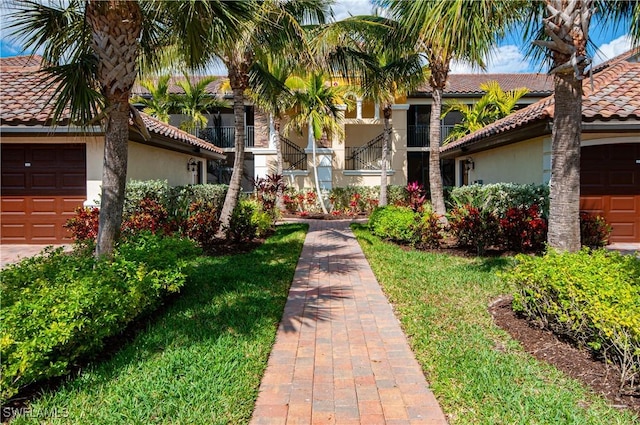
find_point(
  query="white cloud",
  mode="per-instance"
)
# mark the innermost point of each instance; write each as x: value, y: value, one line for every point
x: 505, y: 59
x: 612, y: 49
x: 345, y: 8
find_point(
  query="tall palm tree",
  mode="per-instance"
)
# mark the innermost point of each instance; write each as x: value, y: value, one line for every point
x: 446, y: 30
x: 195, y: 102
x: 316, y: 107
x: 160, y: 104
x: 493, y: 105
x: 393, y: 70
x: 564, y: 37
x: 93, y: 49
x: 275, y: 27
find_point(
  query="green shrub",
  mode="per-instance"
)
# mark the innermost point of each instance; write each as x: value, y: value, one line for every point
x: 180, y: 198
x: 394, y: 223
x: 263, y: 222
x: 58, y: 308
x: 592, y: 297
x: 242, y: 227
x: 498, y: 198
x: 137, y: 190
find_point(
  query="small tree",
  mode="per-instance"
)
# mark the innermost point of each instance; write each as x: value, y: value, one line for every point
x: 495, y: 104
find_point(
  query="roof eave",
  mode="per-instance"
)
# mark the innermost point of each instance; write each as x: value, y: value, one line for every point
x: 529, y: 131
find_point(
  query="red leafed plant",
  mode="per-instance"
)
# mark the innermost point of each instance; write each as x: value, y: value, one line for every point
x: 84, y: 225
x: 149, y: 215
x: 202, y: 223
x: 524, y: 229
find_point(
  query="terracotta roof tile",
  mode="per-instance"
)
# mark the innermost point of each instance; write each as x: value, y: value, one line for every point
x: 25, y: 100
x: 615, y: 95
x: 469, y: 84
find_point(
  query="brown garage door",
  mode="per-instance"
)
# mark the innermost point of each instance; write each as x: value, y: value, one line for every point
x: 41, y: 187
x: 610, y: 186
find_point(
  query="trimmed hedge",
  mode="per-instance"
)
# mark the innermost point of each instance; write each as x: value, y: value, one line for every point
x: 592, y: 297
x: 498, y: 198
x: 58, y: 308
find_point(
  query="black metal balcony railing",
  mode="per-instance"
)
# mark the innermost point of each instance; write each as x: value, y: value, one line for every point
x: 293, y: 155
x: 367, y: 157
x: 224, y: 137
x: 418, y: 135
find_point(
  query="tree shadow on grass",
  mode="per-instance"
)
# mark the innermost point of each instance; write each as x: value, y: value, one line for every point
x: 235, y: 297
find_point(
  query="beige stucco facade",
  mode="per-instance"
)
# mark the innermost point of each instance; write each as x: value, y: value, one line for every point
x: 517, y: 163
x: 144, y: 162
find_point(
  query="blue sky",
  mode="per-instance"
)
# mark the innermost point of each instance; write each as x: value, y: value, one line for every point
x: 508, y: 57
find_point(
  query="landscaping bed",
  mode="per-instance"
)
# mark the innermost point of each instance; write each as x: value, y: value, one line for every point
x: 578, y: 363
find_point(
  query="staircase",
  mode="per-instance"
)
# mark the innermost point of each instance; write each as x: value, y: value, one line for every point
x: 366, y: 157
x: 293, y: 155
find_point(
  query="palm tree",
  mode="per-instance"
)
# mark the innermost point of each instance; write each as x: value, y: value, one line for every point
x: 195, y: 102
x: 564, y: 37
x: 446, y: 30
x: 394, y: 70
x: 92, y: 49
x: 160, y: 104
x: 316, y: 107
x: 276, y: 27
x: 495, y: 104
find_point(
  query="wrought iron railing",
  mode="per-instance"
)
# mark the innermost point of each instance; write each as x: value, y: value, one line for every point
x: 418, y: 135
x: 293, y: 155
x: 366, y: 157
x: 224, y: 137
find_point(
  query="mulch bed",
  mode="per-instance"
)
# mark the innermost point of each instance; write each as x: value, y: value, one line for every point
x: 578, y: 363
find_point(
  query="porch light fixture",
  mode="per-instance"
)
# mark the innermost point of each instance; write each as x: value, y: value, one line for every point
x: 469, y: 164
x: 192, y: 165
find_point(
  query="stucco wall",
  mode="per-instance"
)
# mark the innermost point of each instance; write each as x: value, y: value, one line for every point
x: 516, y: 163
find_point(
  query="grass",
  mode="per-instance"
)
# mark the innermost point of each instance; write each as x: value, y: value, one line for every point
x: 478, y: 373
x: 201, y: 361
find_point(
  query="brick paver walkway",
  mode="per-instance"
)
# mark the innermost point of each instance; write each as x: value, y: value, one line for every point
x: 340, y: 355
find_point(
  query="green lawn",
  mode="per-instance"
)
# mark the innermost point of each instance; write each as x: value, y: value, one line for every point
x: 477, y: 372
x: 201, y: 361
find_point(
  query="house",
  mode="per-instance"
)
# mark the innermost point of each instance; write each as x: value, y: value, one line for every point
x: 518, y: 148
x: 356, y: 159
x: 46, y: 172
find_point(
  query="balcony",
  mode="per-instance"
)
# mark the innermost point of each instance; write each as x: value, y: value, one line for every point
x: 418, y: 135
x: 224, y: 137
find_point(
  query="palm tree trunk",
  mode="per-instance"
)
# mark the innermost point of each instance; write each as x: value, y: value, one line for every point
x: 435, y: 176
x: 233, y: 194
x: 116, y: 27
x: 386, y: 137
x: 279, y: 161
x: 564, y: 187
x: 315, y: 168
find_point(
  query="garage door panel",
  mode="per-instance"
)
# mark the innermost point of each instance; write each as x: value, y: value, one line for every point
x: 13, y: 181
x: 623, y: 204
x: 13, y: 206
x: 69, y: 205
x: 14, y: 232
x: 624, y: 230
x: 592, y: 203
x: 43, y: 181
x: 42, y: 206
x: 43, y: 232
x: 622, y: 178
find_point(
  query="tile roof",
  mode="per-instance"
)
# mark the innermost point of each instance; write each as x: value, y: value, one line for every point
x: 615, y: 96
x: 469, y: 84
x: 25, y: 95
